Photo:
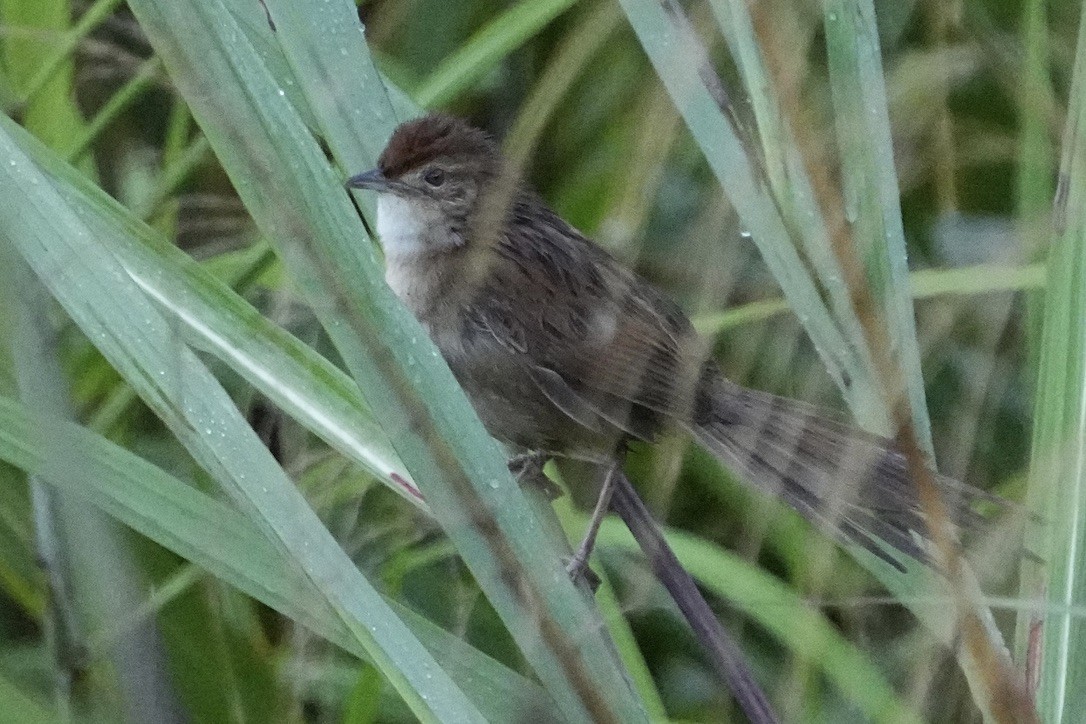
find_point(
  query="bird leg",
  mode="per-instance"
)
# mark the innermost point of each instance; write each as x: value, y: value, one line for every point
x: 528, y: 468
x: 577, y: 566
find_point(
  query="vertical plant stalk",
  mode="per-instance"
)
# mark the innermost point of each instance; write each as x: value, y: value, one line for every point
x: 20, y: 331
x: 1036, y: 159
x: 61, y: 628
x: 871, y: 235
x: 81, y: 551
x: 724, y: 653
x: 1035, y: 191
x: 1054, y: 636
x: 61, y: 635
x: 877, y: 273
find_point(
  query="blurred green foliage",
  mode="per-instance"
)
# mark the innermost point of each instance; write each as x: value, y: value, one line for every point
x: 973, y: 112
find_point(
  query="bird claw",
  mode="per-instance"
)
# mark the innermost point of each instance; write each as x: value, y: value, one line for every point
x: 528, y: 468
x: 580, y: 573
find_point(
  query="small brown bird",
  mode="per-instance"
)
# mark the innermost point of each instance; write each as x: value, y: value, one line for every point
x: 564, y: 352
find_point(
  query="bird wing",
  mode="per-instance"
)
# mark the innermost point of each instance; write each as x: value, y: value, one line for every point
x: 605, y: 347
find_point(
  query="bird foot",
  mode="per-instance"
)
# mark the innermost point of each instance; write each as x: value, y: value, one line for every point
x: 577, y: 565
x: 580, y: 573
x: 528, y: 468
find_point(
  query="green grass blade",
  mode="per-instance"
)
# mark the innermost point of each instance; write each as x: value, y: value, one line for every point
x: 18, y: 708
x: 355, y: 110
x: 589, y: 33
x: 628, y: 650
x: 785, y: 169
x: 130, y: 332
x: 91, y: 573
x: 19, y: 573
x: 625, y: 642
x: 226, y: 544
x: 871, y: 204
x: 1035, y: 185
x: 143, y: 81
x: 1056, y: 571
x: 215, y: 319
x: 783, y: 613
x: 871, y: 198
x: 53, y: 115
x: 298, y: 200
x: 252, y: 20
x: 58, y: 523
x: 676, y: 57
x: 924, y: 284
x: 65, y: 51
x: 486, y: 48
x: 325, y: 47
x: 871, y: 193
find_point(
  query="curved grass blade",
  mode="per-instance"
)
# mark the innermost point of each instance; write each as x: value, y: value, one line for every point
x: 142, y: 345
x: 298, y: 200
x: 677, y: 60
x: 223, y: 542
x: 486, y: 48
x: 215, y: 319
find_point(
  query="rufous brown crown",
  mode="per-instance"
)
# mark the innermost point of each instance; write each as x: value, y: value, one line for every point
x: 433, y: 137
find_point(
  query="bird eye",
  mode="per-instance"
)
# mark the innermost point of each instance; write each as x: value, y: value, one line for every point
x: 434, y: 176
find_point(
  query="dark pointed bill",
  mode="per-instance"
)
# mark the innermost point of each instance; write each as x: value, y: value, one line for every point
x: 372, y: 179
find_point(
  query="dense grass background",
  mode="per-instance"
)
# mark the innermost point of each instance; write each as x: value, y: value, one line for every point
x: 194, y: 616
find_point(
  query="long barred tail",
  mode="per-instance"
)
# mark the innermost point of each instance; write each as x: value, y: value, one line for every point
x: 850, y: 483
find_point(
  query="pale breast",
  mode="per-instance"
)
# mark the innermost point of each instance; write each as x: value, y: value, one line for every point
x: 403, y: 225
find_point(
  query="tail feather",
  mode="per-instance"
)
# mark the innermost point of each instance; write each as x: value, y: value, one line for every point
x: 849, y: 482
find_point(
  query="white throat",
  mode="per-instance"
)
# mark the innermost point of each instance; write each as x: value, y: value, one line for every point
x: 404, y: 224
